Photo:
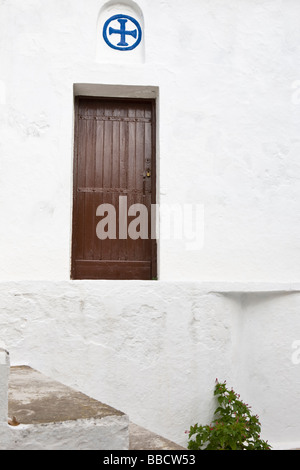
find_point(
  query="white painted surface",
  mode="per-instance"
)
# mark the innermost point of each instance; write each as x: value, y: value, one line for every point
x: 2, y: 92
x: 228, y: 78
x: 154, y: 349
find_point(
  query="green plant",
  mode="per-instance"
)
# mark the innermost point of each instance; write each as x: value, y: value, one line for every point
x: 234, y: 426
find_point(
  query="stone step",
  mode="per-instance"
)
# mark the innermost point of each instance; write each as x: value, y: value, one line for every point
x: 45, y: 414
x: 53, y: 416
x: 34, y: 398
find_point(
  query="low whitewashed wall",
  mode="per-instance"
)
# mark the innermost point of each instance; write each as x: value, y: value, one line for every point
x: 154, y: 349
x: 107, y: 433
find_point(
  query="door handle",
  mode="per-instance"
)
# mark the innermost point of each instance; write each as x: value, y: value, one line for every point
x: 148, y: 173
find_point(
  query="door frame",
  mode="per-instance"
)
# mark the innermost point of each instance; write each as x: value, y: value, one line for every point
x: 153, y: 101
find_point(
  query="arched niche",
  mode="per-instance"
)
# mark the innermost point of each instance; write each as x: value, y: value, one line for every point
x: 120, y: 33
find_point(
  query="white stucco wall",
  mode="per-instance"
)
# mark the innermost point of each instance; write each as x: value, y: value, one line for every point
x: 229, y: 112
x: 154, y: 349
x: 226, y: 79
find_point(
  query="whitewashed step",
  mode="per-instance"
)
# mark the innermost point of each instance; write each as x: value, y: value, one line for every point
x: 47, y: 414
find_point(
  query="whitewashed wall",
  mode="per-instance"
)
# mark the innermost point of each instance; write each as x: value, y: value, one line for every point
x: 229, y: 110
x: 226, y: 76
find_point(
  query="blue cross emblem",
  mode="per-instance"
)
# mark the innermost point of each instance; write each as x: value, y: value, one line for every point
x: 117, y: 38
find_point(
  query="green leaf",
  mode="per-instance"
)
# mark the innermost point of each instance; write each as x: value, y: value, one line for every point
x: 234, y: 426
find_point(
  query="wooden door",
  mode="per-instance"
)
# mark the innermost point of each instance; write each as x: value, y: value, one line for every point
x: 114, y: 164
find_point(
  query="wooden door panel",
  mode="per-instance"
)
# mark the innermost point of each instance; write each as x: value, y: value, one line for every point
x: 114, y: 151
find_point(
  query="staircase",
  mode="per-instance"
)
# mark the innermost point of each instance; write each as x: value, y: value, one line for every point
x: 39, y: 413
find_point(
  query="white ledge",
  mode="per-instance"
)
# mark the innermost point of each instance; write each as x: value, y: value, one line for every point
x: 203, y: 286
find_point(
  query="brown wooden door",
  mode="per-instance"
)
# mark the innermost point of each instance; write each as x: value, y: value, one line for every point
x: 114, y: 158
